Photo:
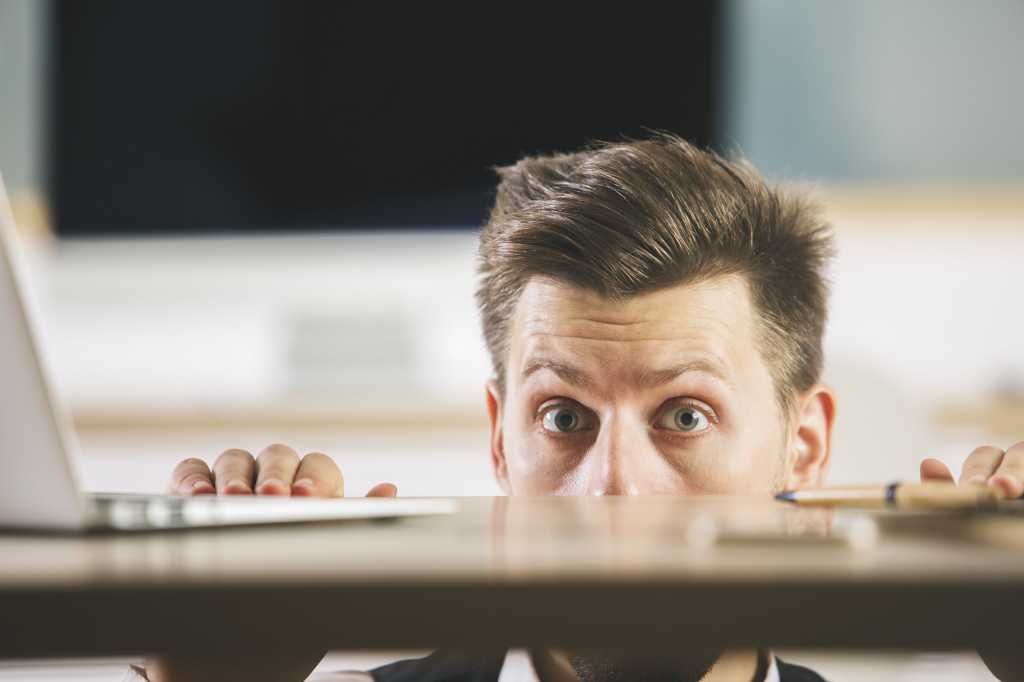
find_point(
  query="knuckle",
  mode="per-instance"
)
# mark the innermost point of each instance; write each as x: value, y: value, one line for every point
x: 1013, y: 462
x: 983, y: 457
x: 233, y: 454
x: 278, y: 451
x: 183, y: 467
x: 186, y: 468
x: 319, y: 458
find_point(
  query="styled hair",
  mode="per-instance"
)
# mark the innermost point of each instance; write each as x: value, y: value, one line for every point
x: 622, y: 219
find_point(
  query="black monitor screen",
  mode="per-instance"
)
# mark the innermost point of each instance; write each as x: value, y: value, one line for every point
x: 282, y: 115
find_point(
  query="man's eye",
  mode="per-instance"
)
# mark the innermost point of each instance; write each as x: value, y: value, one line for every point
x: 685, y: 419
x: 563, y: 420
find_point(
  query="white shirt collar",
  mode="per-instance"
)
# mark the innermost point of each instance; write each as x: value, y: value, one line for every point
x: 518, y: 667
x: 772, y: 674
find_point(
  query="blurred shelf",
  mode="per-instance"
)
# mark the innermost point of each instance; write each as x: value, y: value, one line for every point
x: 1003, y: 418
x: 377, y: 414
x: 947, y: 207
x: 986, y: 206
x: 999, y: 417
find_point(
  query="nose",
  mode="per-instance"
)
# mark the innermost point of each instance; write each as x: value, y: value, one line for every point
x: 622, y: 460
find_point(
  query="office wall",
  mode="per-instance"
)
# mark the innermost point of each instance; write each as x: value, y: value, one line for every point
x: 917, y: 90
x: 22, y: 61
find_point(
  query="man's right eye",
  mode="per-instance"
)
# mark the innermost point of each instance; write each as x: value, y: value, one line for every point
x: 563, y: 419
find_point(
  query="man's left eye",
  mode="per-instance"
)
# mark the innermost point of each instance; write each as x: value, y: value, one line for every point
x: 685, y: 419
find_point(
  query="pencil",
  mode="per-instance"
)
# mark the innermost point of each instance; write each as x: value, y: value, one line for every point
x: 933, y: 495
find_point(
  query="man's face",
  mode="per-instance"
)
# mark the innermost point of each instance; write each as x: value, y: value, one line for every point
x: 663, y: 393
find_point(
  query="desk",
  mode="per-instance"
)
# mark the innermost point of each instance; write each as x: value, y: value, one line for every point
x: 624, y: 572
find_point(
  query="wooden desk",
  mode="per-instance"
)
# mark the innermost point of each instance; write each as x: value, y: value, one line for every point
x: 627, y: 572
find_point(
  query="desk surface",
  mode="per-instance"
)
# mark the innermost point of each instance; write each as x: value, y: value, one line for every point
x: 644, y: 573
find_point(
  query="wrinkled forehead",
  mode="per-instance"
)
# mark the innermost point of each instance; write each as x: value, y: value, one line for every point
x: 708, y: 322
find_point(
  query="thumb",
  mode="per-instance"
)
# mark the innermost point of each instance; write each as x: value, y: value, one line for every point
x: 383, y: 490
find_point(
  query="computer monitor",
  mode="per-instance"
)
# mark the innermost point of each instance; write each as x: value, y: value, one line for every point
x: 199, y: 117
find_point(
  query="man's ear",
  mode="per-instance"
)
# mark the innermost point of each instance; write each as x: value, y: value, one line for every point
x: 494, y: 412
x: 811, y: 441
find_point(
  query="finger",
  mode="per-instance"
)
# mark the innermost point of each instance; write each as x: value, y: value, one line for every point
x: 318, y: 476
x: 934, y: 470
x: 192, y: 476
x: 275, y: 468
x: 980, y: 464
x: 383, y: 490
x: 233, y: 472
x: 1009, y: 477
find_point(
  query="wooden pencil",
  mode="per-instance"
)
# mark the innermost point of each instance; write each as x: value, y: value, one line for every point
x: 930, y: 495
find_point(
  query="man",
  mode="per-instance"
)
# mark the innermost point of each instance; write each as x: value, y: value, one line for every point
x: 654, y: 315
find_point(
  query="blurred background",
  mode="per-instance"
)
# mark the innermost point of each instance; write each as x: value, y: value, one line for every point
x: 256, y: 222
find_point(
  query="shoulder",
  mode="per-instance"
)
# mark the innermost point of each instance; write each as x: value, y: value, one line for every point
x: 443, y: 666
x: 789, y: 672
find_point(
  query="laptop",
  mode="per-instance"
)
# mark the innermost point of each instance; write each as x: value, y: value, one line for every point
x: 38, y: 486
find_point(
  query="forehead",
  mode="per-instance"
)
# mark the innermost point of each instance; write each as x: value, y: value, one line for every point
x: 710, y: 321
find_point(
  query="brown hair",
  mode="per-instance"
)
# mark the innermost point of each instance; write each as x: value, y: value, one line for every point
x: 632, y: 217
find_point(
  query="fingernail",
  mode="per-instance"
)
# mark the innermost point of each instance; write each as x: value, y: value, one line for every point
x: 304, y: 484
x: 201, y: 485
x: 237, y: 485
x: 977, y: 480
x: 274, y: 484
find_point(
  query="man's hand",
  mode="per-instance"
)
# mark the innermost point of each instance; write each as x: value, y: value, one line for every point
x: 277, y: 470
x: 987, y: 465
x: 1002, y: 470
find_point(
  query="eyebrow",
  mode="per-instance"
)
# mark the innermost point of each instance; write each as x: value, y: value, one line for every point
x: 648, y: 378
x: 567, y: 373
x: 652, y: 378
